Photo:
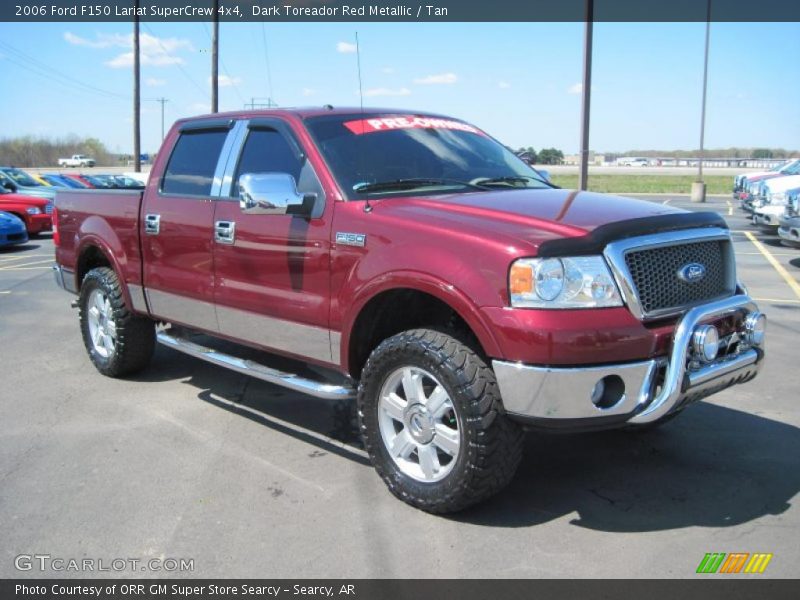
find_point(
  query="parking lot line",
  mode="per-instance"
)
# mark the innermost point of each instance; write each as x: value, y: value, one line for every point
x: 24, y: 269
x: 777, y: 300
x: 759, y: 254
x: 730, y: 208
x: 790, y: 281
x: 17, y: 267
x: 23, y: 256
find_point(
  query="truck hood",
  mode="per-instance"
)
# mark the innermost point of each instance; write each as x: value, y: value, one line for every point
x: 42, y: 191
x: 530, y: 215
x: 758, y: 175
x: 40, y: 203
x: 783, y: 184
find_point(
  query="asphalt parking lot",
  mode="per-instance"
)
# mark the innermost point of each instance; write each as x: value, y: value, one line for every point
x: 249, y: 480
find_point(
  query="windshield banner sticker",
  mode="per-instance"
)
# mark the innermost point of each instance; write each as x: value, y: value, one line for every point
x: 362, y: 126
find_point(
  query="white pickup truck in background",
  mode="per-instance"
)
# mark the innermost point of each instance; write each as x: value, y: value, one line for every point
x: 76, y: 160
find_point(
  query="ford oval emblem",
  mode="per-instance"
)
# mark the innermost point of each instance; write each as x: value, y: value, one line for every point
x: 692, y: 273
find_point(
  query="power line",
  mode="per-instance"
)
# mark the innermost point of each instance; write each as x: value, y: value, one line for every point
x: 50, y: 73
x: 180, y: 67
x: 266, y: 60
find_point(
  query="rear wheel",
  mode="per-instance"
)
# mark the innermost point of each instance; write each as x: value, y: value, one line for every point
x: 430, y: 417
x: 118, y: 341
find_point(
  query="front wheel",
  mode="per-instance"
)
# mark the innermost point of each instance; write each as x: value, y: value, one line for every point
x: 430, y: 417
x: 118, y: 341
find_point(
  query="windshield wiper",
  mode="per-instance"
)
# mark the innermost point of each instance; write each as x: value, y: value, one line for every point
x: 411, y: 184
x: 511, y: 179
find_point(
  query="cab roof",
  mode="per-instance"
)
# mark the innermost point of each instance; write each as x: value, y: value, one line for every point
x: 311, y: 111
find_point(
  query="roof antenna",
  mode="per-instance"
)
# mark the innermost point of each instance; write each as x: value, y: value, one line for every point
x: 367, y: 205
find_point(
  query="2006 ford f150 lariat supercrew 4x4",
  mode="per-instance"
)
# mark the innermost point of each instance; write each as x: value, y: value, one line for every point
x: 413, y: 262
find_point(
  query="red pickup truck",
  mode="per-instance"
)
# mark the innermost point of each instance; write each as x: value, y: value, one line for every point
x: 34, y: 212
x: 410, y: 261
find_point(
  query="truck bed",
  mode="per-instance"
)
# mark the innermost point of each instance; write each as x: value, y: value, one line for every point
x: 106, y: 218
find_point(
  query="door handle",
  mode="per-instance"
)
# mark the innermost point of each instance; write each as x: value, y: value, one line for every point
x: 152, y: 224
x: 225, y: 232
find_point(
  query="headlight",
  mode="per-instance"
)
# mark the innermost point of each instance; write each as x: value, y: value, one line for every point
x: 578, y: 282
x: 33, y: 210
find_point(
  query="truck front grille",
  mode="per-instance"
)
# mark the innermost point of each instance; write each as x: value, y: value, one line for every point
x: 655, y: 275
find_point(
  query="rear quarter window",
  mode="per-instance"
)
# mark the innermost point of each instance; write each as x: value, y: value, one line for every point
x: 191, y: 167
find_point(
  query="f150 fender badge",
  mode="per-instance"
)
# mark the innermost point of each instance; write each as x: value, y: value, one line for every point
x: 351, y: 239
x: 692, y: 273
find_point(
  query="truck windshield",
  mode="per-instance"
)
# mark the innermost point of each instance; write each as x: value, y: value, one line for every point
x: 383, y: 155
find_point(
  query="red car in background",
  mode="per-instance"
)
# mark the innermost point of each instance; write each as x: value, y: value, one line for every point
x: 35, y: 212
x: 79, y: 178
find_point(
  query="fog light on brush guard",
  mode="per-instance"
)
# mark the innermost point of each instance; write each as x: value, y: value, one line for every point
x: 755, y: 324
x: 705, y: 341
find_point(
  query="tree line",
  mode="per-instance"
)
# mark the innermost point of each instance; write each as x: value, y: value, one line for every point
x: 30, y: 151
x: 545, y: 156
x: 714, y: 153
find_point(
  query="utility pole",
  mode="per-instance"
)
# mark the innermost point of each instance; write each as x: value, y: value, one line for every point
x: 163, y: 101
x: 583, y: 177
x: 252, y: 105
x: 215, y: 60
x: 699, y: 186
x: 137, y: 142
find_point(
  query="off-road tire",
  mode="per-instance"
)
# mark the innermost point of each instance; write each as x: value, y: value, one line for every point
x: 135, y: 335
x: 490, y: 444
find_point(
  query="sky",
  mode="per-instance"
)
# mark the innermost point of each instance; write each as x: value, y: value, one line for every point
x: 518, y: 81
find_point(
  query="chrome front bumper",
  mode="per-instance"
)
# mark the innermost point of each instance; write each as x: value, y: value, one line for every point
x: 764, y: 218
x: 789, y: 229
x: 562, y: 397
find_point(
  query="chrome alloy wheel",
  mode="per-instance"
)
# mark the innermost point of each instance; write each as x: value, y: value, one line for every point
x: 419, y: 424
x: 102, y: 329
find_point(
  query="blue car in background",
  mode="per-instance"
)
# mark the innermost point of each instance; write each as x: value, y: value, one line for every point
x: 12, y: 230
x: 61, y: 181
x: 19, y: 182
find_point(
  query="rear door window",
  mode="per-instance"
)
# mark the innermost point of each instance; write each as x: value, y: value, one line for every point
x: 191, y: 167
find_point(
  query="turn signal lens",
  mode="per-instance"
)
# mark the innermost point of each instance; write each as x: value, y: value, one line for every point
x: 521, y: 278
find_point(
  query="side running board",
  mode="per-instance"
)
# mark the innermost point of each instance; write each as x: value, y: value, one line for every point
x: 318, y: 389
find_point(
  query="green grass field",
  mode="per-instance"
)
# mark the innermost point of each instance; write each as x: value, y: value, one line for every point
x: 646, y: 184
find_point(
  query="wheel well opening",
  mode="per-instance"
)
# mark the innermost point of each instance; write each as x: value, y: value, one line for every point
x: 91, y: 258
x: 393, y: 311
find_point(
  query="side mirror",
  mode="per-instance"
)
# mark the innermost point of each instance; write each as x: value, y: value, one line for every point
x: 545, y: 174
x: 272, y: 194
